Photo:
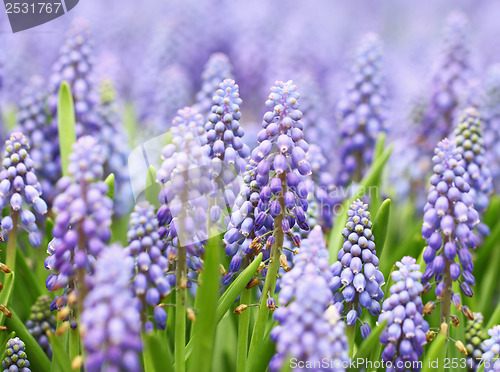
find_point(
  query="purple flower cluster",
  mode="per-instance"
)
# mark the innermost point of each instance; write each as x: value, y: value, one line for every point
x: 110, y: 321
x: 492, y: 350
x: 405, y: 332
x: 474, y: 338
x: 242, y: 223
x: 449, y: 218
x: 15, y: 359
x: 361, y: 112
x: 469, y: 141
x: 40, y: 321
x: 33, y: 118
x: 173, y: 91
x: 75, y: 66
x: 274, y: 180
x: 185, y: 179
x: 450, y: 80
x: 20, y: 189
x: 114, y: 144
x: 310, y: 328
x: 82, y: 226
x: 356, y: 272
x: 491, y: 115
x: 151, y: 263
x: 217, y: 69
x: 225, y: 146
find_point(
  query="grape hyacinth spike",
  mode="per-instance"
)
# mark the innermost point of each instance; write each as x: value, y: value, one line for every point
x: 83, y: 220
x: 492, y: 350
x: 474, y: 341
x: 151, y: 264
x: 110, y: 322
x: 357, y: 277
x: 40, y: 321
x: 405, y: 331
x: 310, y: 328
x: 449, y: 220
x: 16, y: 359
x: 361, y: 112
x: 469, y: 141
x: 20, y: 189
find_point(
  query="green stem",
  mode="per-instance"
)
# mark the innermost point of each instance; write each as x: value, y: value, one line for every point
x: 10, y: 260
x: 180, y: 311
x: 243, y: 324
x: 272, y: 273
x: 74, y: 344
x: 445, y: 307
x: 350, y: 332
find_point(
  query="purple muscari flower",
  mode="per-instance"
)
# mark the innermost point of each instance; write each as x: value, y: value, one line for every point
x: 40, y: 321
x: 225, y: 147
x: 33, y: 117
x: 20, y: 189
x: 185, y: 179
x: 491, y: 114
x: 15, y: 358
x: 491, y: 350
x: 357, y: 268
x: 361, y: 112
x: 405, y: 332
x: 217, y: 69
x: 450, y: 78
x: 82, y: 226
x: 110, y: 321
x: 114, y: 143
x: 172, y: 90
x: 474, y: 341
x: 327, y: 196
x: 449, y: 218
x: 151, y: 263
x: 94, y: 117
x: 310, y: 328
x: 469, y: 141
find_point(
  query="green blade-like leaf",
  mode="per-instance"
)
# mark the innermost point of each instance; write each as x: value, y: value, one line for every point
x: 370, y: 343
x: 5, y: 294
x: 264, y: 354
x: 157, y: 356
x: 495, y: 318
x: 208, y: 291
x: 152, y: 187
x: 230, y: 295
x: 59, y: 354
x: 380, y: 225
x: 234, y: 290
x: 36, y: 355
x: 436, y: 354
x: 335, y: 239
x: 110, y: 181
x: 65, y: 125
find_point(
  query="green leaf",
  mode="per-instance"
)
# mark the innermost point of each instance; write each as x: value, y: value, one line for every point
x: 380, y: 225
x: 230, y: 295
x: 234, y: 290
x: 130, y: 123
x: 152, y: 187
x: 436, y: 354
x: 37, y: 357
x: 157, y: 356
x: 370, y: 343
x: 264, y: 354
x: 5, y: 294
x: 371, y: 178
x: 495, y: 318
x: 59, y: 354
x: 65, y: 124
x: 208, y: 292
x: 110, y: 181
